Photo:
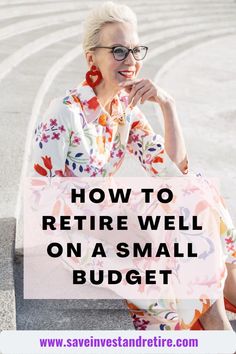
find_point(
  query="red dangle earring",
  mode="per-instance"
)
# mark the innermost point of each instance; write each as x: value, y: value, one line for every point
x: 95, y: 73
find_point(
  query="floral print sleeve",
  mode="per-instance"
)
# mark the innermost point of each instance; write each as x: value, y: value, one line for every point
x: 148, y: 147
x: 51, y: 141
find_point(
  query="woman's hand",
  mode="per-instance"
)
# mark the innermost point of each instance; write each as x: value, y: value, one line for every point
x: 145, y: 90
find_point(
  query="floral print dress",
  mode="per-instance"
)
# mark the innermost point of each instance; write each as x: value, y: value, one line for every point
x: 77, y: 137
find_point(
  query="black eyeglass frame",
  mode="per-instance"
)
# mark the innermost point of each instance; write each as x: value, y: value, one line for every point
x: 128, y: 51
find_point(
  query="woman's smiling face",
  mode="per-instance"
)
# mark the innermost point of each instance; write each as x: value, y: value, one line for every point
x: 113, y: 71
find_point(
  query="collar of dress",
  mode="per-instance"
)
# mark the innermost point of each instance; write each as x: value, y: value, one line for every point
x: 86, y: 97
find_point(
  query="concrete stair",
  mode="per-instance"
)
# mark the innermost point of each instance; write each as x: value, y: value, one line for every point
x: 7, y: 286
x: 67, y: 314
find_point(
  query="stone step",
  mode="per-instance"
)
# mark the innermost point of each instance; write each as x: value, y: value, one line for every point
x: 7, y: 288
x: 45, y: 8
x: 74, y: 319
x: 13, y: 28
x: 9, y: 3
x: 67, y: 314
x: 159, y: 14
x: 206, y: 98
x: 40, y: 26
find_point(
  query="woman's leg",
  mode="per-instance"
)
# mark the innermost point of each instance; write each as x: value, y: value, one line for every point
x: 230, y: 283
x: 157, y: 316
x: 211, y: 314
x: 215, y: 317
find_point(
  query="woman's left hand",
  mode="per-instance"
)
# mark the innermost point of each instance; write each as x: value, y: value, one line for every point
x: 145, y: 90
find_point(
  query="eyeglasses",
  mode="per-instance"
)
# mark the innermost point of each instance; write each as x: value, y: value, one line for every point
x: 120, y: 52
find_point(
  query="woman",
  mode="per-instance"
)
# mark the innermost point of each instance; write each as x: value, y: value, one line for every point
x: 88, y: 132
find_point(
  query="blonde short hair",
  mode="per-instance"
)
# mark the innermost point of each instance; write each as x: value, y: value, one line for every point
x: 108, y: 12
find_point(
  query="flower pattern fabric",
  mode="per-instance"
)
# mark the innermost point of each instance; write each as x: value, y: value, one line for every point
x: 77, y: 137
x: 82, y: 139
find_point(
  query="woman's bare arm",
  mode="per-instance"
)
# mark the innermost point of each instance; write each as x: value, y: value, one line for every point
x: 145, y: 90
x: 174, y: 140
